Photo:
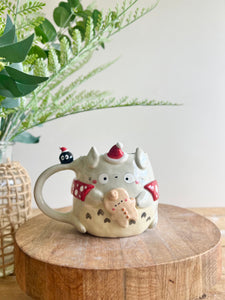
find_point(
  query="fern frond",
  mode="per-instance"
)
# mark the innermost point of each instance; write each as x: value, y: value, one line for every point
x: 98, y: 20
x: 2, y: 25
x: 92, y: 100
x: 96, y: 102
x: 89, y: 30
x: 53, y: 62
x: 8, y: 6
x: 30, y: 7
x: 110, y: 27
x: 81, y: 98
x: 64, y: 51
x: 44, y: 112
x: 59, y: 77
x: 2, y: 10
x: 30, y: 59
x: 124, y: 5
x: 29, y: 23
x: 29, y: 62
x: 77, y: 42
x: 137, y: 14
x: 40, y: 68
x: 28, y: 121
x: 79, y: 102
x: 50, y: 110
x: 63, y: 91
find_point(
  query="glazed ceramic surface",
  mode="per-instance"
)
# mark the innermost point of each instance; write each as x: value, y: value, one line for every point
x: 114, y: 194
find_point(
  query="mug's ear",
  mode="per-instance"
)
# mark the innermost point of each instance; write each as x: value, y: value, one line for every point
x: 140, y: 158
x: 93, y: 158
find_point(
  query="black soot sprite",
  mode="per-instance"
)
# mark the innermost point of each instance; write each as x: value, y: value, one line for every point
x: 65, y: 157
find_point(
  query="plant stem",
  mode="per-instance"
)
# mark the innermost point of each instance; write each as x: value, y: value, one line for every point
x: 63, y: 30
x: 134, y: 20
x: 128, y: 7
x: 90, y: 47
x: 6, y: 127
x: 122, y: 104
x: 17, y: 8
x: 22, y: 120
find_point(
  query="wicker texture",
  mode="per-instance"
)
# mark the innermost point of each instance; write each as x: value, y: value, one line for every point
x: 15, y: 209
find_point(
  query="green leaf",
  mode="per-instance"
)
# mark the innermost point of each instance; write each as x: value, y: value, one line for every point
x: 26, y: 137
x: 84, y: 14
x: 18, y: 66
x: 9, y: 30
x: 23, y: 77
x: 67, y: 7
x: 9, y: 24
x: 46, y: 30
x: 37, y: 50
x: 61, y: 16
x: 8, y: 87
x: 75, y: 3
x: 8, y: 37
x: 17, y: 52
x: 26, y: 89
x: 10, y: 103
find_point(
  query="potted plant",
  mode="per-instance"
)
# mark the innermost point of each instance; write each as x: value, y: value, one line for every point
x: 36, y: 60
x: 52, y: 54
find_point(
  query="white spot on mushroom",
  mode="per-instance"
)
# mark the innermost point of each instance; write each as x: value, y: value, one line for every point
x: 81, y: 188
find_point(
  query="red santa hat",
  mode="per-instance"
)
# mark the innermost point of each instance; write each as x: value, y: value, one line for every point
x: 116, y: 154
x: 63, y: 149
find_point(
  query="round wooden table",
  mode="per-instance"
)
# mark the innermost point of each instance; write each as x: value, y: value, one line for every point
x: 178, y: 260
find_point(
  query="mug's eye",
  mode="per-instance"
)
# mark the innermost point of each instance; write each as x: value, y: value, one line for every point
x: 66, y: 156
x: 103, y: 178
x: 129, y: 178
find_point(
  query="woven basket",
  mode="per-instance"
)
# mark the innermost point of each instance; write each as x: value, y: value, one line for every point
x: 15, y: 209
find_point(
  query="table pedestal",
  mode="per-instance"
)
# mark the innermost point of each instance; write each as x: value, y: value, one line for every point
x: 178, y: 260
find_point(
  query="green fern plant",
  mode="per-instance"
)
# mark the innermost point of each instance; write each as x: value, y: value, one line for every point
x: 26, y: 16
x: 58, y: 52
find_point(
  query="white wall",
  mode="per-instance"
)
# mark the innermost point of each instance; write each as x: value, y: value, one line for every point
x: 176, y: 53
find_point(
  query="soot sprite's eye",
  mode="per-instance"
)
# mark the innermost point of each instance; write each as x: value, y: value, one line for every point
x: 66, y: 156
x: 129, y: 178
x: 103, y: 178
x: 62, y: 157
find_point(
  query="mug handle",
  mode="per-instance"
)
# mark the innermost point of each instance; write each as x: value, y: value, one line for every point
x: 67, y: 217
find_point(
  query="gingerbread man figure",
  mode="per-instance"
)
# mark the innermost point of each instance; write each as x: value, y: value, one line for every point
x: 121, y: 207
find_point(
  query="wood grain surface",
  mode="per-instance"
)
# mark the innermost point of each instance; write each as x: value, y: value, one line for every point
x: 179, y: 259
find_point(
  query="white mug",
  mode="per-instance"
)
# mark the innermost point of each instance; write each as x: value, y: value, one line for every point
x: 114, y: 194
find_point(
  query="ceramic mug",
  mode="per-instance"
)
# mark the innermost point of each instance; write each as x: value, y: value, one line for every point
x: 114, y: 194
